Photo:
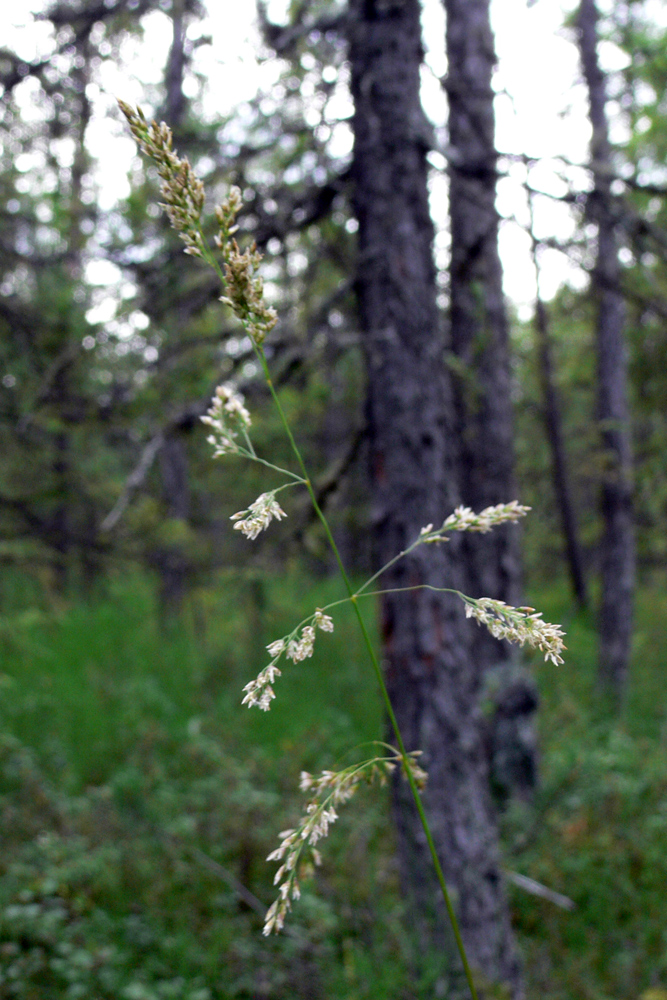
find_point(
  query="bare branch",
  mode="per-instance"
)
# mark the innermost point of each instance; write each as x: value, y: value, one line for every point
x: 133, y: 482
x: 537, y: 889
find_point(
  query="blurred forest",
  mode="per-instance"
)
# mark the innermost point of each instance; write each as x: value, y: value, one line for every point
x: 138, y: 801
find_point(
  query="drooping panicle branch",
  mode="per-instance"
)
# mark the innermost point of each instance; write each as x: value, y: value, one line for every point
x: 297, y: 852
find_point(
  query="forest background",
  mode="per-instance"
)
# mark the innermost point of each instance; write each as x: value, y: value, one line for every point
x: 137, y: 801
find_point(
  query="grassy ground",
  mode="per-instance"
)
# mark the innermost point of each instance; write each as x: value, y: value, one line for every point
x: 134, y: 790
x: 598, y: 832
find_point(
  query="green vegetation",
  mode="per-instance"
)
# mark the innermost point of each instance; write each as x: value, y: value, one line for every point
x: 598, y: 830
x: 138, y: 800
x: 134, y: 791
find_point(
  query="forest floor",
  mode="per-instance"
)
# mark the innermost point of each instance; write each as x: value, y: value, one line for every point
x: 136, y: 795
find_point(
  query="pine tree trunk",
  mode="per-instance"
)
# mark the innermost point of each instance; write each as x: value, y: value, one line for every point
x: 479, y: 344
x: 434, y: 684
x: 554, y: 431
x: 170, y: 560
x: 560, y: 478
x: 69, y: 514
x: 617, y: 547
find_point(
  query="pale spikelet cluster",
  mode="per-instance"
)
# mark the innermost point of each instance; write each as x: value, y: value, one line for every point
x: 260, y: 691
x: 297, y: 852
x: 325, y: 622
x: 296, y: 646
x: 245, y: 291
x: 181, y: 189
x: 183, y: 195
x: 520, y: 625
x: 227, y: 417
x: 465, y: 519
x: 300, y: 646
x: 258, y: 516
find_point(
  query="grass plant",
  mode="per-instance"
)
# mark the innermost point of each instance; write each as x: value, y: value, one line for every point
x: 136, y: 800
x: 230, y: 434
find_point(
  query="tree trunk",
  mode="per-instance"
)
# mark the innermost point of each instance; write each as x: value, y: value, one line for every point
x: 479, y: 344
x: 561, y: 482
x: 617, y: 547
x: 433, y: 683
x: 175, y: 103
x: 170, y: 559
x: 68, y: 513
x: 62, y: 478
x: 554, y: 432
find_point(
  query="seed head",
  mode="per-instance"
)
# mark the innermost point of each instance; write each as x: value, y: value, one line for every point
x: 520, y: 625
x: 465, y: 519
x: 227, y: 417
x: 181, y: 189
x: 258, y: 516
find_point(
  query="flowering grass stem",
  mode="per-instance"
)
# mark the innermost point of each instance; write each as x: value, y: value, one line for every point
x: 381, y: 684
x: 329, y: 790
x: 228, y: 418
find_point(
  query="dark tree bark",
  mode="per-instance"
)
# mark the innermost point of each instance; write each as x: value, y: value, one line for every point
x: 62, y: 391
x: 433, y: 683
x: 60, y: 524
x: 617, y: 548
x: 175, y: 103
x: 480, y: 360
x: 554, y: 431
x: 479, y: 331
x: 559, y: 474
x: 170, y: 560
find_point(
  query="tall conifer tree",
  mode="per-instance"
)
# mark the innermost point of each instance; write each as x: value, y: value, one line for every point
x: 479, y: 344
x: 617, y: 549
x: 434, y: 679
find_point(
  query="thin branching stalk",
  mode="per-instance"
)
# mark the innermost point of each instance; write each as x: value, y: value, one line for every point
x: 230, y: 424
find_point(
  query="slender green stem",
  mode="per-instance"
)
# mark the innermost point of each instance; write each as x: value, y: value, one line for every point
x: 298, y: 480
x: 399, y: 590
x: 285, y: 486
x: 379, y: 676
x: 371, y: 652
x: 386, y: 566
x: 417, y: 586
x: 418, y: 803
x: 210, y: 258
x: 251, y: 449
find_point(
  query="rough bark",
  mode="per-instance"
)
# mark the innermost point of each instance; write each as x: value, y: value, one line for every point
x: 63, y: 390
x: 553, y: 425
x: 479, y: 344
x: 617, y: 547
x: 170, y: 560
x: 433, y: 683
x: 559, y: 474
x: 175, y: 103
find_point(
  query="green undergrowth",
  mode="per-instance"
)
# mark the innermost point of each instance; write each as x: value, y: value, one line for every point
x: 137, y: 798
x: 138, y: 802
x: 597, y: 831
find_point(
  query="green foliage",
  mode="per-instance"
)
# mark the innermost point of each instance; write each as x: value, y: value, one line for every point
x: 129, y: 803
x: 597, y: 832
x: 128, y: 798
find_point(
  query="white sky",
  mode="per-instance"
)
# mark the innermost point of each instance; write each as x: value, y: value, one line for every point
x: 541, y: 108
